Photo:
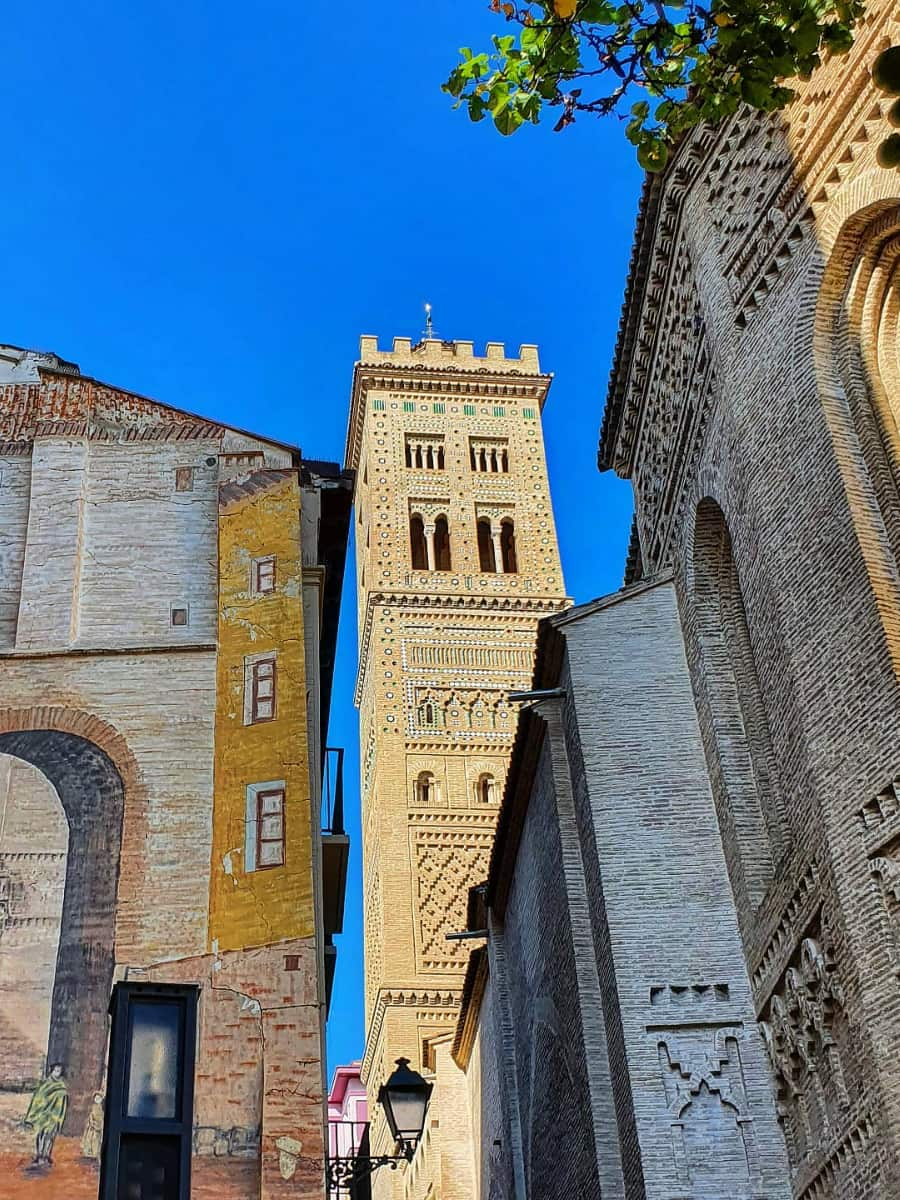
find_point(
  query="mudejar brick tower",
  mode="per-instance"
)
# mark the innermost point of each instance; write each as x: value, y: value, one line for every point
x: 457, y: 560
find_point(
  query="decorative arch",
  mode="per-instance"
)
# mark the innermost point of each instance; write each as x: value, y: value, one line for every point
x: 441, y: 543
x: 743, y: 769
x: 486, y: 788
x: 89, y: 765
x: 487, y: 559
x: 508, y: 546
x: 854, y: 329
x: 426, y: 788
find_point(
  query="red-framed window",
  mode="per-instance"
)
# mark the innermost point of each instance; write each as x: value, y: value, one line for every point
x: 269, y: 828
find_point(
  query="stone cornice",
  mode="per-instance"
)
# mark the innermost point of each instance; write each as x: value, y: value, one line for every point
x: 532, y: 606
x: 470, y: 1007
x: 441, y: 379
x: 388, y: 997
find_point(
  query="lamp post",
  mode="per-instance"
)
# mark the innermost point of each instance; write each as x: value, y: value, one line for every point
x: 404, y: 1099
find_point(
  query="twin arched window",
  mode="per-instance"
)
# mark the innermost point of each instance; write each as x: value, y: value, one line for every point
x: 489, y: 544
x: 429, y: 548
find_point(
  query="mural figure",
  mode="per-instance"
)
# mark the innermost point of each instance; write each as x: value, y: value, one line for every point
x: 92, y: 1138
x: 46, y: 1114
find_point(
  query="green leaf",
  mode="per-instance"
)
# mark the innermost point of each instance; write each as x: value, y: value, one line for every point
x: 477, y: 108
x: 507, y: 119
x: 653, y: 154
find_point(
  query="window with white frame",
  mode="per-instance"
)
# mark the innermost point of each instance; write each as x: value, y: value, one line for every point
x: 264, y: 830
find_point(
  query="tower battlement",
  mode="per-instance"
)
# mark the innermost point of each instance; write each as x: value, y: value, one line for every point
x: 405, y: 352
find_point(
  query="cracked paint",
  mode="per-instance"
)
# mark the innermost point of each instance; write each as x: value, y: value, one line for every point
x: 252, y: 904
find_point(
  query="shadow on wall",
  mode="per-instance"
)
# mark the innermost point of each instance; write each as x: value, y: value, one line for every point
x: 57, y: 887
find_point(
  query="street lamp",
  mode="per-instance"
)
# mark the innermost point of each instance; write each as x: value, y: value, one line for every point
x: 404, y: 1099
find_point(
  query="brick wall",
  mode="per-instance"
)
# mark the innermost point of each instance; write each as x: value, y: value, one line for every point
x: 693, y: 1094
x: 769, y: 248
x: 551, y: 1066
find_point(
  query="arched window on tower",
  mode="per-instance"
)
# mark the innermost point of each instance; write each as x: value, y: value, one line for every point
x: 426, y: 788
x: 426, y: 713
x: 417, y: 546
x: 441, y: 544
x: 508, y: 547
x: 486, y: 557
x: 485, y: 788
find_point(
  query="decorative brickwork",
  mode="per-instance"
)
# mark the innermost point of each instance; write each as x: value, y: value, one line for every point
x: 438, y: 434
x: 780, y: 233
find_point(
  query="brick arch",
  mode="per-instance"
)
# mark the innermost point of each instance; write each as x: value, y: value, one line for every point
x: 80, y: 724
x: 738, y: 741
x: 92, y: 770
x: 848, y: 317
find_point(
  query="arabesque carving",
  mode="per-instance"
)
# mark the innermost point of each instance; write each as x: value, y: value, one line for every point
x: 798, y: 1030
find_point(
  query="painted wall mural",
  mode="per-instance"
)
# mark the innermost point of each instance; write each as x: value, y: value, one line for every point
x: 156, y: 821
x: 61, y: 806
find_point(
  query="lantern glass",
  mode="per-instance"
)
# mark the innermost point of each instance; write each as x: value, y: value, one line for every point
x: 405, y: 1099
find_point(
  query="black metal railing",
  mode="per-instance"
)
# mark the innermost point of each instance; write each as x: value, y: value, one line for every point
x: 333, y: 790
x: 349, y: 1176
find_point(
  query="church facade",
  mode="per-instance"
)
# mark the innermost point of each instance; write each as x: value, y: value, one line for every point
x: 753, y: 404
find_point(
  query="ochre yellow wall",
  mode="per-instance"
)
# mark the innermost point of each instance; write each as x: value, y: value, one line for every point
x: 259, y: 907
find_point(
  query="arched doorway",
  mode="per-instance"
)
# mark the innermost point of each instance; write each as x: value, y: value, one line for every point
x: 89, y: 802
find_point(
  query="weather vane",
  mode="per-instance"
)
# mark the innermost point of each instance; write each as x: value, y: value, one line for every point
x: 429, y: 333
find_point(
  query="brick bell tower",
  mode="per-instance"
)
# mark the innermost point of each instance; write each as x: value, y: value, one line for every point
x: 457, y: 560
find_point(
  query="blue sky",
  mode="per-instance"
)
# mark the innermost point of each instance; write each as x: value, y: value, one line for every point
x: 209, y: 203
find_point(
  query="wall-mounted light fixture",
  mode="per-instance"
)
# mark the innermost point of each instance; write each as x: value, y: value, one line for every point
x: 404, y: 1099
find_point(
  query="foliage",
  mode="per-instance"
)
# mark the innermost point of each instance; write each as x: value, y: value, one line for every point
x: 688, y: 62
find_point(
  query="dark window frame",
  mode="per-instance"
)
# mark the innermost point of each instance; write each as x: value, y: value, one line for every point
x: 117, y: 1125
x: 260, y: 840
x: 258, y: 565
x: 255, y: 698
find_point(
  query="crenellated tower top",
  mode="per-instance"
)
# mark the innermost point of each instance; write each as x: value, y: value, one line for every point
x: 441, y: 370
